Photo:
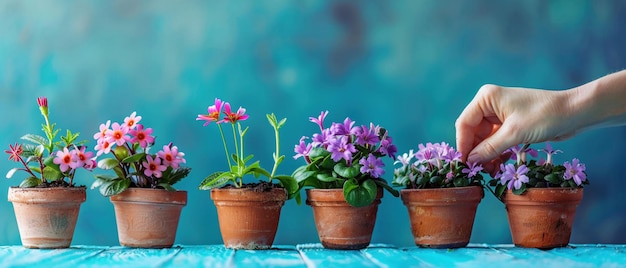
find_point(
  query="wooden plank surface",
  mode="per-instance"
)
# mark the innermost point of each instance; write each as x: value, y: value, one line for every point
x: 314, y: 255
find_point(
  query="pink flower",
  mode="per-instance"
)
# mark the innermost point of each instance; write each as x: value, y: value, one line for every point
x: 103, y: 130
x: 118, y: 134
x: 43, y: 106
x: 214, y: 113
x: 142, y: 136
x: 65, y: 160
x: 131, y: 121
x: 153, y: 167
x: 82, y: 158
x: 171, y: 156
x: 234, y: 117
x: 103, y: 147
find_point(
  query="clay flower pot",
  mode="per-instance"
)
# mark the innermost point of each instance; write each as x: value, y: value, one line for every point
x: 148, y: 218
x: 248, y: 219
x: 339, y: 225
x: 46, y: 217
x: 542, y: 217
x: 442, y: 217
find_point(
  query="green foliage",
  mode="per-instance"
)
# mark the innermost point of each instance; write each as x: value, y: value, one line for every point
x: 544, y: 175
x: 322, y: 172
x: 131, y: 165
x: 37, y: 153
x: 239, y: 167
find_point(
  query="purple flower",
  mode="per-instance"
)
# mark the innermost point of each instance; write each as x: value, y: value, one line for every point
x: 549, y: 152
x: 302, y: 149
x: 372, y: 165
x: 575, y: 170
x: 519, y: 155
x: 514, y: 177
x: 428, y: 153
x: 366, y: 136
x: 388, y: 148
x: 342, y: 129
x: 472, y: 170
x: 322, y: 139
x: 449, y: 154
x: 319, y: 120
x: 341, y: 148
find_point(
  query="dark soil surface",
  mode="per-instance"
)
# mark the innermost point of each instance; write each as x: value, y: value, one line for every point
x: 262, y: 186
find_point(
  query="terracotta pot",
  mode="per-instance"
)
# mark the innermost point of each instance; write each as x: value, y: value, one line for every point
x: 542, y: 217
x: 248, y: 219
x: 442, y: 217
x: 339, y: 225
x: 46, y: 217
x: 148, y: 218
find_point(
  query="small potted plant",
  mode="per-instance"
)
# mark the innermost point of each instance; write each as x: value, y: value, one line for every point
x: 248, y: 213
x: 441, y: 194
x: 147, y: 207
x: 342, y: 175
x: 47, y: 202
x: 540, y: 196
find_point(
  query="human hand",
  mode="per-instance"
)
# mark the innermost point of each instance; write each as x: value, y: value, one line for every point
x: 501, y: 117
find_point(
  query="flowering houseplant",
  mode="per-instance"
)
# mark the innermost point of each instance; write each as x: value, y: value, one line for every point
x: 523, y: 174
x: 133, y: 164
x: 435, y: 165
x: 48, y: 161
x: 347, y: 157
x: 238, y: 167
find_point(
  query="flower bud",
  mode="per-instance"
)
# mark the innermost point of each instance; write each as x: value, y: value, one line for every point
x: 43, y: 105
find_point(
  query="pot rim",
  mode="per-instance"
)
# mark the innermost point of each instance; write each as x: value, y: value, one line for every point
x: 150, y: 195
x: 545, y: 195
x: 47, y: 194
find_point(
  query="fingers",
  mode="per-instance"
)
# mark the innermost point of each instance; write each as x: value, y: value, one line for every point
x: 494, y: 145
x: 472, y: 121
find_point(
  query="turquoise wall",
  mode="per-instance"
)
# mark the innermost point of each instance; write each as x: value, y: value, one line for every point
x: 410, y: 66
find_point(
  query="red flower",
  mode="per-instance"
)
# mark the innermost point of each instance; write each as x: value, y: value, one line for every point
x: 15, y: 152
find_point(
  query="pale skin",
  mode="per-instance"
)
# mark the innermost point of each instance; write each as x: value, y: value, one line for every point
x: 501, y: 117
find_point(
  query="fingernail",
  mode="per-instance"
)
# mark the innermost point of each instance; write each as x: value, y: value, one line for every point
x: 474, y: 158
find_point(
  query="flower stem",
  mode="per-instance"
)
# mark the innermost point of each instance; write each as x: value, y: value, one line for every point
x: 276, y: 155
x: 225, y: 146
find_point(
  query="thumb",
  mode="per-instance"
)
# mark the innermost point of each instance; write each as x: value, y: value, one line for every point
x: 493, y: 146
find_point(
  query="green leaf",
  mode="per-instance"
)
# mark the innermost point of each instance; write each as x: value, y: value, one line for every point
x: 553, y: 178
x: 132, y: 158
x: 119, y: 172
x: 345, y: 171
x: 52, y: 173
x: 216, y: 180
x: 325, y: 177
x: 114, y: 187
x: 302, y: 174
x: 461, y: 182
x: 108, y: 163
x: 359, y: 195
x: 422, y: 180
x: 30, y: 182
x: 168, y: 187
x: 500, y: 189
x: 289, y: 183
x: 176, y: 175
x: 521, y: 190
x: 36, y: 139
x: 11, y: 172
x: 436, y: 179
x: 382, y: 183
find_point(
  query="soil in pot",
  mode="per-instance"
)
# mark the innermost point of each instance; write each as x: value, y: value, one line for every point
x: 339, y: 225
x: 442, y: 217
x: 248, y: 216
x: 542, y: 217
x: 148, y: 218
x: 46, y: 217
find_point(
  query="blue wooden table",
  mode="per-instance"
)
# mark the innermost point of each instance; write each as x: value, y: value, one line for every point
x: 314, y: 255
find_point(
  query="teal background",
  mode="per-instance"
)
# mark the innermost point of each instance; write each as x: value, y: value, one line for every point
x: 410, y: 66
